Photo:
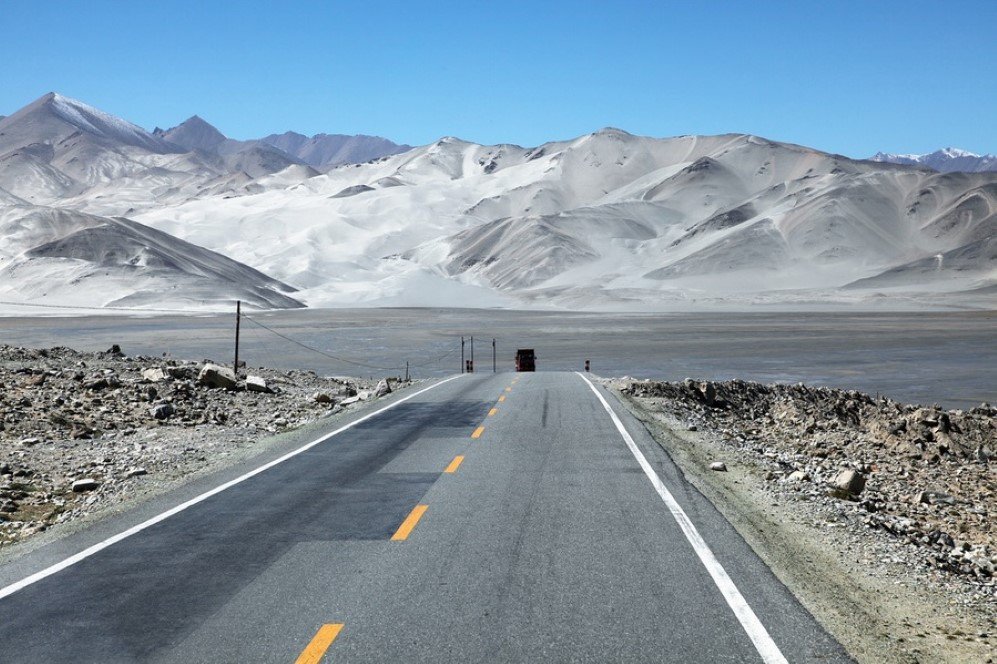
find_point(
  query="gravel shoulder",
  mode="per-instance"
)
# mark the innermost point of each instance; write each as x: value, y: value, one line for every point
x: 84, y: 436
x: 901, y: 571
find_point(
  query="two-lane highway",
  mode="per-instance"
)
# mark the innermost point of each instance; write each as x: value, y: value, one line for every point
x: 493, y: 517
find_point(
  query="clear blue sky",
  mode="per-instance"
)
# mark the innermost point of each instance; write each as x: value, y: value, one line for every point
x: 848, y: 77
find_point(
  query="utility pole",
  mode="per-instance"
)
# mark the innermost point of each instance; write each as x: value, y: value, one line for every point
x: 406, y: 371
x: 238, y: 319
x: 462, y: 354
x: 494, y: 362
x: 472, y: 353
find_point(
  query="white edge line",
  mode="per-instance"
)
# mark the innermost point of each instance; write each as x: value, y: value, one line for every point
x: 759, y: 636
x: 100, y: 546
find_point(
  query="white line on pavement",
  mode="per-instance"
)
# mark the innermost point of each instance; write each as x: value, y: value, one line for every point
x: 86, y: 553
x: 759, y: 636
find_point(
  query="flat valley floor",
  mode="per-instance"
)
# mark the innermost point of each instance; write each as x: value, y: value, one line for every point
x: 918, y: 357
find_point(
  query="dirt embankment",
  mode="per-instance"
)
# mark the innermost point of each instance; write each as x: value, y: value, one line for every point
x: 83, y: 432
x: 881, y: 516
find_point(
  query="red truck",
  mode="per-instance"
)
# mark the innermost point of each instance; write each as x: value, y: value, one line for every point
x: 526, y: 360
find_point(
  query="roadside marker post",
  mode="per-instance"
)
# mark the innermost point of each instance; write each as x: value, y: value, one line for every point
x: 238, y: 319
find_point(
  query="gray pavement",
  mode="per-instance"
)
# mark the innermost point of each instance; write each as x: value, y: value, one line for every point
x: 548, y: 543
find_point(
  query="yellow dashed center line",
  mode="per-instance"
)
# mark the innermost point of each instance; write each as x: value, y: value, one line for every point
x: 492, y: 412
x: 409, y: 523
x: 501, y: 398
x: 508, y: 389
x: 454, y: 465
x: 477, y: 432
x: 313, y: 652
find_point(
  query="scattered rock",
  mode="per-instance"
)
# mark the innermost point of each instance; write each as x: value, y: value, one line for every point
x: 154, y: 375
x: 382, y: 389
x: 213, y: 375
x: 66, y: 414
x: 851, y: 481
x: 719, y: 466
x: 86, y: 484
x: 257, y: 384
x: 162, y: 411
x: 798, y: 476
x: 321, y: 397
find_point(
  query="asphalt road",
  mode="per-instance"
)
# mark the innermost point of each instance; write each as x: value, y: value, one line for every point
x: 546, y: 541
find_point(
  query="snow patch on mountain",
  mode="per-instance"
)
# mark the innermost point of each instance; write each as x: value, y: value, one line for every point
x: 946, y: 160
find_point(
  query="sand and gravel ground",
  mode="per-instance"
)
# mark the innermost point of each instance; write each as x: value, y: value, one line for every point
x: 82, y: 433
x: 902, y: 571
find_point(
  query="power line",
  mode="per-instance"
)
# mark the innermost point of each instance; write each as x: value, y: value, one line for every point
x: 83, y: 308
x: 320, y: 352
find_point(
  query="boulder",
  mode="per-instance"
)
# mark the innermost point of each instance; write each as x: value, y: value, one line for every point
x: 321, y: 397
x: 136, y: 472
x: 257, y: 384
x: 798, y: 476
x: 213, y: 375
x: 851, y: 481
x: 86, y: 484
x: 162, y: 411
x: 154, y: 375
x: 719, y: 466
x: 382, y: 389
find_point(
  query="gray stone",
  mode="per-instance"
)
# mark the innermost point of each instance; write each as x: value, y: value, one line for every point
x: 851, y: 481
x: 154, y: 375
x: 257, y: 384
x: 136, y: 472
x: 161, y: 411
x: 798, y: 476
x: 321, y: 397
x: 213, y: 375
x: 382, y: 389
x: 86, y: 484
x: 719, y: 466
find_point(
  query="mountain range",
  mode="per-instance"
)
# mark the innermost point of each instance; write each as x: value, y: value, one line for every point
x: 946, y: 160
x: 102, y: 213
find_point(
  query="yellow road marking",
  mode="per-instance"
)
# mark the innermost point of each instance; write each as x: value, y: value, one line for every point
x: 313, y: 652
x: 492, y: 412
x: 477, y: 432
x: 501, y: 398
x: 408, y: 524
x: 454, y: 465
x: 508, y: 389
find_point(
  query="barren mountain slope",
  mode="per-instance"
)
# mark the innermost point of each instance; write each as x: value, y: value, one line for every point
x: 60, y: 257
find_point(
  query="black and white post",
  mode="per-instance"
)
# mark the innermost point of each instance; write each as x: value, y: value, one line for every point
x: 238, y: 320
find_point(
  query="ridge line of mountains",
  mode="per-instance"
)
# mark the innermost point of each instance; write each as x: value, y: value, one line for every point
x: 97, y: 211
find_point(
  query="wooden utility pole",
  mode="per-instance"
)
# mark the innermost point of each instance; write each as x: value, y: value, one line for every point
x: 494, y: 362
x: 406, y: 371
x: 462, y: 354
x: 238, y: 320
x: 472, y: 353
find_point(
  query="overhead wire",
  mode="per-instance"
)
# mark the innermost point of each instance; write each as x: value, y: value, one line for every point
x: 290, y: 339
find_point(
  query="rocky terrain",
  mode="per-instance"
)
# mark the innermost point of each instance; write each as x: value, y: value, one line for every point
x: 81, y: 432
x: 893, y: 495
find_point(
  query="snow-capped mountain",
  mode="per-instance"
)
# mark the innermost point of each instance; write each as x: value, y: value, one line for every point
x: 605, y: 220
x: 946, y: 160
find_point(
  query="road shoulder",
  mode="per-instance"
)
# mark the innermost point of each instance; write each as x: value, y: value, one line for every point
x: 876, y: 619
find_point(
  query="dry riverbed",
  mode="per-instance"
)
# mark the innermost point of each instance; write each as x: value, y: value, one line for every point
x: 83, y: 433
x: 880, y: 516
